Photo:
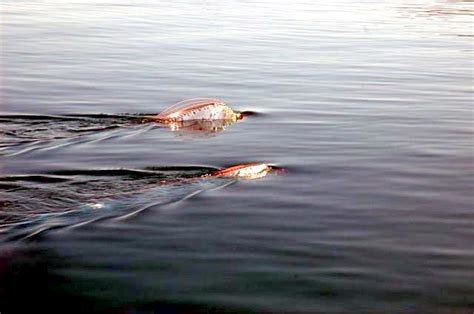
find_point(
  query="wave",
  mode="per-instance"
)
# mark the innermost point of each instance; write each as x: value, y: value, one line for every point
x: 33, y: 204
x: 23, y: 133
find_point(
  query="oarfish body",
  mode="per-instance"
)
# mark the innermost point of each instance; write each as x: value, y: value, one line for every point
x: 198, y: 109
x: 246, y: 171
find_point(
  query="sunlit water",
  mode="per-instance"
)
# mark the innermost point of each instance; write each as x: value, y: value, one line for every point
x: 367, y: 104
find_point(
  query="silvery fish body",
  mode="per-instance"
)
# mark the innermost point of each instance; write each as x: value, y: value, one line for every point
x: 246, y: 171
x: 198, y: 109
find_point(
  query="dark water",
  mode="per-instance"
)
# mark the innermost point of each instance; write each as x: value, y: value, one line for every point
x: 367, y: 104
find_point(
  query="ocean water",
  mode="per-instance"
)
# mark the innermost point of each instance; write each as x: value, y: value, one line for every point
x: 368, y: 105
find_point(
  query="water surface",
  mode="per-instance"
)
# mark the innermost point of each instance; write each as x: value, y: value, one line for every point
x: 368, y: 104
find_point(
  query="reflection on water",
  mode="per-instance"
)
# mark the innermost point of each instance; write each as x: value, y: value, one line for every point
x: 200, y: 127
x: 444, y: 18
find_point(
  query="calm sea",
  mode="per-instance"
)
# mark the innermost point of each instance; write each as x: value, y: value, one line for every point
x: 368, y: 105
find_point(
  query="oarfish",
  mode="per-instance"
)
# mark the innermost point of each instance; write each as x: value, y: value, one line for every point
x: 246, y: 171
x: 206, y: 109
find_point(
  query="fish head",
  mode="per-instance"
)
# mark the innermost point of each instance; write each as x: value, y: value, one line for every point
x: 244, y: 114
x: 239, y: 116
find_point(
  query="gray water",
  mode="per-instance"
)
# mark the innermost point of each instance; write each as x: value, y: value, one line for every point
x: 368, y: 105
